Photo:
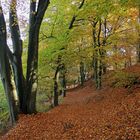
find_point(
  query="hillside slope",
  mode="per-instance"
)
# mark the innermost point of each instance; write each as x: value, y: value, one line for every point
x: 86, y: 114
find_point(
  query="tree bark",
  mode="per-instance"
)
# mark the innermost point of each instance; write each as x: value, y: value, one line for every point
x: 26, y: 89
x: 5, y: 71
x: 56, y: 87
x: 17, y: 56
x: 138, y: 48
x: 97, y: 54
x: 74, y: 16
x: 82, y: 74
x: 63, y: 79
x: 99, y: 62
x: 36, y: 18
x: 104, y: 68
x: 64, y: 85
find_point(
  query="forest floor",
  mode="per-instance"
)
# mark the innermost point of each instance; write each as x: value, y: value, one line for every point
x: 86, y: 114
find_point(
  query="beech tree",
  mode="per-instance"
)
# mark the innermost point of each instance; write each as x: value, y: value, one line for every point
x: 15, y: 56
x: 5, y: 70
x: 60, y: 67
x: 26, y: 87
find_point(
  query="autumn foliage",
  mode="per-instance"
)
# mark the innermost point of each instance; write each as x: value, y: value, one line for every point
x: 85, y: 114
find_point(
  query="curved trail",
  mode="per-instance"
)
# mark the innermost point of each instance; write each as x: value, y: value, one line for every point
x: 110, y: 114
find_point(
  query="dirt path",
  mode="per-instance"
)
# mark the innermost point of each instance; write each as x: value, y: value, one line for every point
x: 110, y: 114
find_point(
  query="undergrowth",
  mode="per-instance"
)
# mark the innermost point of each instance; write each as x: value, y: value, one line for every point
x: 4, y: 115
x: 125, y: 79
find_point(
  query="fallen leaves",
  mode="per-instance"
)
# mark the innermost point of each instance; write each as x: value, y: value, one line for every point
x: 110, y: 114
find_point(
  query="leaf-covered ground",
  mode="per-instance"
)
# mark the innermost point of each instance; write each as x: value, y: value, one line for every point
x: 86, y: 114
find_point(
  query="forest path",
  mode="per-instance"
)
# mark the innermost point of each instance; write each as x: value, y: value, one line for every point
x: 85, y: 114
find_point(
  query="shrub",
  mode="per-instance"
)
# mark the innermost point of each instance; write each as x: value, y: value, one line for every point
x: 4, y: 115
x: 125, y: 79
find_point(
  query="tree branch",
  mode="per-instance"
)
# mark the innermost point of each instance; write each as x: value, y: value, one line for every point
x: 42, y: 6
x: 81, y: 5
x: 74, y: 17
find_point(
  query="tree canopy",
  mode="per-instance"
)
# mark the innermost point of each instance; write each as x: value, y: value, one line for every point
x: 58, y: 44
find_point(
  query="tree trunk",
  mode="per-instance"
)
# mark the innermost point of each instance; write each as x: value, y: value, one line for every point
x: 55, y: 93
x: 94, y: 53
x: 99, y: 71
x: 26, y: 93
x: 32, y: 70
x: 17, y: 56
x: 56, y: 87
x: 5, y: 71
x: 64, y: 85
x: 36, y: 17
x: 82, y: 74
x: 9, y: 91
x: 63, y: 79
x: 97, y: 55
x: 138, y: 48
x: 104, y: 68
x: 95, y: 68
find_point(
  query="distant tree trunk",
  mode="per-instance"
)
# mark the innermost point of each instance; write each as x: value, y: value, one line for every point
x: 99, y: 62
x: 104, y: 45
x: 16, y: 60
x: 5, y: 71
x: 99, y: 72
x: 95, y: 67
x: 64, y: 85
x: 94, y: 53
x: 138, y: 48
x: 97, y: 55
x: 115, y: 50
x: 138, y: 53
x: 55, y: 93
x: 82, y: 74
x: 56, y: 87
x: 63, y: 79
